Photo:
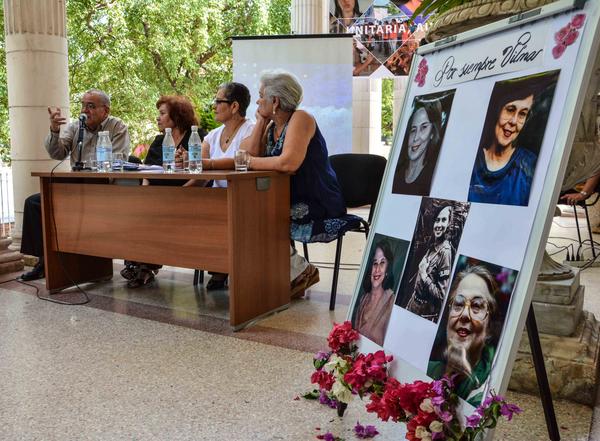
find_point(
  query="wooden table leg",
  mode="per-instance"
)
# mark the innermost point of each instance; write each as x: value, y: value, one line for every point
x: 259, y: 256
x: 66, y: 269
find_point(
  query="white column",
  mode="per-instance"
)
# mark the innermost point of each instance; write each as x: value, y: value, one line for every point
x: 366, y: 116
x: 400, y: 87
x: 310, y: 16
x: 37, y: 76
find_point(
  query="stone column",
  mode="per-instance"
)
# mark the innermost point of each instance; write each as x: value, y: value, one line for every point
x: 310, y: 16
x: 366, y: 116
x: 37, y: 76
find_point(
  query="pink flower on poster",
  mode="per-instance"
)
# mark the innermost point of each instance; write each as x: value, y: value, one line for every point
x: 567, y: 35
x: 422, y: 70
x: 578, y: 21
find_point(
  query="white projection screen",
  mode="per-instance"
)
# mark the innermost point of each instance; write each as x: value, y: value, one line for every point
x: 322, y: 64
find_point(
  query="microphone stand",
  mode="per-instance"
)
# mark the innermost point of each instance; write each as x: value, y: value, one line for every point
x: 79, y: 165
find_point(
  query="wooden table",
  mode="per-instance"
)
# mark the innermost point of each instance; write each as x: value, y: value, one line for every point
x: 242, y: 230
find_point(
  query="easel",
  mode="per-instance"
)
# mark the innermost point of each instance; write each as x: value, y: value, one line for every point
x: 542, y: 377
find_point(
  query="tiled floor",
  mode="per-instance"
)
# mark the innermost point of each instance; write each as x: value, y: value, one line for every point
x: 161, y: 363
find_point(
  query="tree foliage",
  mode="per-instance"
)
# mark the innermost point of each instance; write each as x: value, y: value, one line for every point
x: 137, y: 50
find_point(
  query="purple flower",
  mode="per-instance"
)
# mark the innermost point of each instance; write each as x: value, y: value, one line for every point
x: 322, y: 356
x: 438, y: 401
x: 365, y: 431
x: 445, y: 416
x: 438, y: 435
x: 327, y: 436
x: 508, y: 410
x: 324, y: 399
x: 473, y: 420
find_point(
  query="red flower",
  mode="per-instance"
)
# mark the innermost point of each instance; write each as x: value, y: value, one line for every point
x: 561, y: 34
x: 388, y: 406
x: 341, y: 337
x: 558, y: 50
x: 410, y: 396
x: 367, y: 370
x: 324, y: 379
x: 571, y: 37
x: 578, y: 21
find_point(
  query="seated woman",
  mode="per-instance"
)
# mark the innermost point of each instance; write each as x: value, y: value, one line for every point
x: 288, y: 140
x: 220, y: 144
x: 177, y: 113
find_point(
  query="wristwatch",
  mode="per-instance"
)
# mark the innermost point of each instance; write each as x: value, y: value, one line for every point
x: 584, y: 193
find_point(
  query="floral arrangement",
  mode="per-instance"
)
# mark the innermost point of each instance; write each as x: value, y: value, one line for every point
x: 427, y: 408
x: 567, y: 35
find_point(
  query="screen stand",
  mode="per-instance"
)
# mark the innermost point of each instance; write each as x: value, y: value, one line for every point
x: 542, y: 378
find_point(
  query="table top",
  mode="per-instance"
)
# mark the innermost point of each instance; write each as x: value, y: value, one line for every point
x: 229, y: 175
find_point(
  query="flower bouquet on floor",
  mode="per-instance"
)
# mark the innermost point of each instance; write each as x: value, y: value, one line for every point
x: 429, y: 409
x: 343, y: 372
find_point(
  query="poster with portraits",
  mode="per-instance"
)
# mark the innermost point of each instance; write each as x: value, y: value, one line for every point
x: 471, y: 185
x: 386, y: 35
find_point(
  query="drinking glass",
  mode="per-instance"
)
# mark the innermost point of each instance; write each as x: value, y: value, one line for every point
x: 241, y: 160
x: 117, y: 161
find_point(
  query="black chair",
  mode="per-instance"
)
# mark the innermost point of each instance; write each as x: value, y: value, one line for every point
x: 592, y: 200
x: 359, y: 175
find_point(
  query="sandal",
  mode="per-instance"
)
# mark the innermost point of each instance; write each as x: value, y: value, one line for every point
x: 129, y: 272
x: 144, y: 278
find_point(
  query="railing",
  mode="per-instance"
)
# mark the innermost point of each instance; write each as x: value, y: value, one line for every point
x: 7, y: 203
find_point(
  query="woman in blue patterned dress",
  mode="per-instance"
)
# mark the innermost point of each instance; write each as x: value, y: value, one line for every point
x: 288, y: 140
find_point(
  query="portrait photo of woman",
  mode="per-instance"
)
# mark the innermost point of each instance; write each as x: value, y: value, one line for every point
x: 422, y: 142
x: 432, y: 252
x: 511, y: 139
x: 343, y: 14
x: 374, y: 304
x: 469, y: 333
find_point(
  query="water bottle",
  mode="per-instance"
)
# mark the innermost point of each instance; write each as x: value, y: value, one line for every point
x: 168, y: 151
x: 195, y: 152
x: 104, y: 152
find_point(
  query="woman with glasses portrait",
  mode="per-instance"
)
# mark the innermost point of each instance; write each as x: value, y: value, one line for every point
x: 472, y: 327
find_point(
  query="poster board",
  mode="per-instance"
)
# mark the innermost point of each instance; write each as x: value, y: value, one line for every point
x: 474, y: 222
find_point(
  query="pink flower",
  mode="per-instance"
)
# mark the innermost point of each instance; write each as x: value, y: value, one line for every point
x: 561, y: 34
x: 578, y: 21
x: 558, y: 50
x: 571, y: 37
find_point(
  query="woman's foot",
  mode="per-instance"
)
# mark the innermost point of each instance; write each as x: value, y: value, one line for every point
x: 143, y: 278
x: 217, y: 281
x: 305, y: 280
x: 130, y: 271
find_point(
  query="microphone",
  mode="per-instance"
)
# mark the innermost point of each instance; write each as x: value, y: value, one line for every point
x: 79, y: 164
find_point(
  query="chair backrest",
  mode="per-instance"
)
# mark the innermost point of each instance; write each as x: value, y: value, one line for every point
x: 359, y: 175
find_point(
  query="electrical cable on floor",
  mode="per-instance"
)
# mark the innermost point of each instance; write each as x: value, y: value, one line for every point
x: 60, y: 260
